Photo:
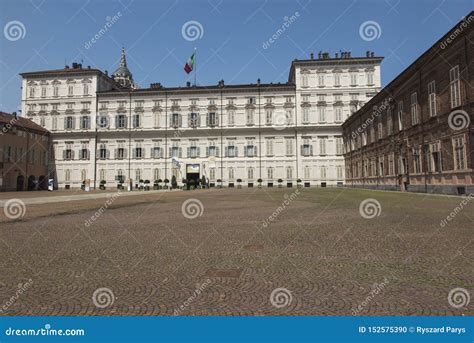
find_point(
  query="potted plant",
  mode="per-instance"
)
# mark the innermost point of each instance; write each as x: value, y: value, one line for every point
x: 156, y: 185
x: 191, y: 184
x: 147, y: 185
x: 219, y: 183
x: 298, y: 183
x: 120, y: 185
x: 174, y: 183
x: 159, y: 181
x: 203, y: 182
x: 259, y: 183
x: 102, y: 185
x: 166, y: 181
x: 279, y: 183
x: 185, y: 184
x: 238, y: 183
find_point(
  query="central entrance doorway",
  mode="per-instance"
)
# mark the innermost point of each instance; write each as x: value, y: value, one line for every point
x: 192, y: 172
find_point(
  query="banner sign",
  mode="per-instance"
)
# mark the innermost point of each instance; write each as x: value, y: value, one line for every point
x: 192, y: 168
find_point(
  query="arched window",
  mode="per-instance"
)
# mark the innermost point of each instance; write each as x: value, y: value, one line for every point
x: 250, y: 171
x: 289, y: 173
x: 138, y: 174
x: 102, y: 175
x: 67, y: 175
x: 270, y: 173
x: 156, y: 173
x: 307, y: 172
x: 231, y: 173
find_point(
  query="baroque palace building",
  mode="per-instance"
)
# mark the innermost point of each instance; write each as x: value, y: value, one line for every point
x: 107, y: 128
x: 417, y: 134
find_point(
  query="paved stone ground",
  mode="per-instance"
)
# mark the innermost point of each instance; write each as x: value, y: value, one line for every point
x: 313, y: 251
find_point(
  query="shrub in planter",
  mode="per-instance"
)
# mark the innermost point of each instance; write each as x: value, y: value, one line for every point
x: 102, y: 184
x: 156, y: 185
x: 166, y: 181
x: 140, y: 184
x: 120, y: 186
x: 238, y: 183
x: 279, y: 183
x: 159, y: 181
x: 259, y: 183
x: 298, y: 183
x: 191, y: 184
x: 147, y: 185
x: 203, y: 182
x: 219, y: 183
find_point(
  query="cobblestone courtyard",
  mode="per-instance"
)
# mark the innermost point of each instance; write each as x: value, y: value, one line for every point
x: 239, y: 252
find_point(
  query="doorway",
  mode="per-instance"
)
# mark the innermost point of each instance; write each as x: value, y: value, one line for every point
x: 192, y: 172
x: 20, y: 183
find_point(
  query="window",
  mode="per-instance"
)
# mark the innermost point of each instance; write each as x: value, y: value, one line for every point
x: 322, y: 114
x: 103, y: 152
x: 400, y: 116
x: 121, y: 121
x: 156, y: 152
x: 54, y: 123
x: 269, y: 146
x: 212, y: 150
x: 339, y: 146
x: 391, y: 165
x: 370, y: 78
x: 414, y: 109
x: 67, y: 175
x: 307, y: 147
x: 269, y: 117
x: 175, y: 120
x: 353, y: 78
x: 86, y: 89
x: 379, y: 129
x: 289, y: 146
x: 175, y: 150
x: 212, y: 119
x: 85, y: 122
x: 231, y: 150
x: 193, y: 150
x: 70, y: 90
x: 43, y: 121
x: 321, y: 80
x: 337, y: 79
x: 270, y: 173
x: 289, y: 173
x: 250, y: 173
x: 156, y: 174
x: 307, y: 172
x: 193, y: 120
x: 212, y: 173
x: 435, y: 157
x: 231, y: 116
x: 156, y: 119
x: 322, y: 145
x: 231, y: 173
x: 138, y: 175
x: 304, y: 80
x: 136, y: 120
x: 69, y: 123
x: 250, y: 149
x: 432, y: 98
x: 288, y: 117
x: 68, y: 153
x: 459, y: 153
x: 250, y: 116
x: 416, y: 160
x: 389, y: 122
x: 32, y: 92
x: 338, y: 113
x: 305, y: 115
x: 454, y: 87
x: 43, y: 92
x: 323, y: 172
x: 339, y: 173
x: 121, y: 152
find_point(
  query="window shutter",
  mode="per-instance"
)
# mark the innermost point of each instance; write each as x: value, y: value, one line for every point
x: 198, y: 152
x: 107, y: 153
x: 255, y: 151
x: 180, y: 120
x: 217, y: 151
x: 207, y: 151
x: 169, y: 152
x: 189, y: 119
x: 116, y: 121
x: 116, y: 153
x: 311, y: 150
x: 207, y: 119
x: 217, y: 119
x: 64, y: 154
x: 188, y: 152
x: 72, y: 154
x: 245, y: 151
x: 198, y: 119
x: 161, y: 152
x: 180, y: 152
x: 236, y: 152
x: 226, y: 152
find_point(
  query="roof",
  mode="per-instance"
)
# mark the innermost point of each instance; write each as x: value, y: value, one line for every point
x: 410, y: 69
x: 22, y: 123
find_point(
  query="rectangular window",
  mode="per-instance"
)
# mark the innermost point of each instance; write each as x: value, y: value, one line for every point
x: 435, y: 157
x: 339, y: 146
x: 121, y: 121
x: 353, y: 79
x: 400, y: 116
x: 212, y: 119
x: 268, y: 117
x: 70, y: 90
x: 370, y: 78
x: 337, y: 79
x: 459, y: 153
x: 269, y: 145
x: 414, y: 109
x: 289, y: 146
x: 322, y: 145
x: 338, y: 114
x: 175, y: 120
x: 193, y: 120
x: 307, y: 147
x: 231, y: 116
x: 305, y: 115
x: 321, y: 80
x: 432, y: 98
x: 455, y: 87
x: 250, y: 116
x: 85, y: 122
x: 417, y: 168
x: 322, y: 114
x: 136, y: 120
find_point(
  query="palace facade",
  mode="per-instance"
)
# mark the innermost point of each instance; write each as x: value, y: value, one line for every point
x: 107, y: 128
x: 417, y: 134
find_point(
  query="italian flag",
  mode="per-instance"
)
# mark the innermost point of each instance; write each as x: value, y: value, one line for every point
x: 188, y: 67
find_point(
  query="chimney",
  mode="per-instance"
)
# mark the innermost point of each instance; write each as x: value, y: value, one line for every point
x: 258, y: 81
x: 311, y: 56
x: 188, y: 84
x: 221, y: 83
x: 319, y: 55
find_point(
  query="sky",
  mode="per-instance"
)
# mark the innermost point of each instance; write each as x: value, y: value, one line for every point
x: 233, y: 38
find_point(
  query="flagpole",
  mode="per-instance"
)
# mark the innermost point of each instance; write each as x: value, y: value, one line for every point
x: 195, y: 67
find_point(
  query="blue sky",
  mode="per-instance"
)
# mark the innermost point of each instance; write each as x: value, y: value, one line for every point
x: 230, y: 44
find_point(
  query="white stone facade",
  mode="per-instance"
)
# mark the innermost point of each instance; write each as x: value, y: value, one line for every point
x: 289, y: 131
